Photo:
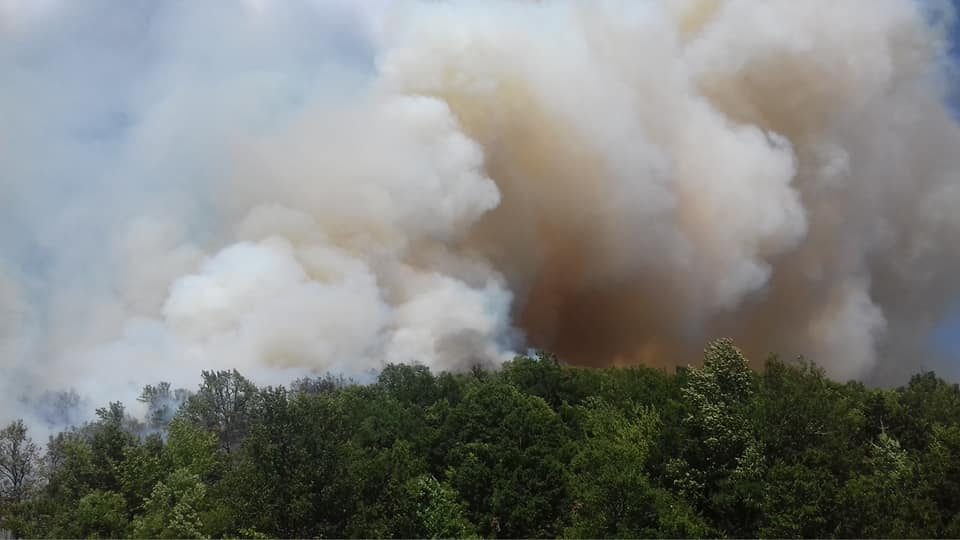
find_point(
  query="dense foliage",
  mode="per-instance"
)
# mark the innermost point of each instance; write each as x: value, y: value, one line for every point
x: 535, y: 449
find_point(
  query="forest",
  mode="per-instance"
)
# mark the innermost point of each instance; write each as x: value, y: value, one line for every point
x: 535, y: 448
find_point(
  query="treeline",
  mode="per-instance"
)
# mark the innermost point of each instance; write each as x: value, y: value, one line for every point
x: 535, y: 449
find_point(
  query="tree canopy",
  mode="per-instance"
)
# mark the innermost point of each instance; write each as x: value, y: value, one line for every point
x: 534, y: 449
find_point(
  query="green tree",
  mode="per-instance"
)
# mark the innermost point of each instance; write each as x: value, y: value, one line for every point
x: 288, y: 479
x: 721, y: 462
x: 142, y: 467
x: 414, y: 385
x: 939, y: 471
x: 193, y: 449
x: 881, y: 501
x: 109, y: 441
x: 926, y: 401
x: 506, y: 458
x: 101, y: 514
x: 376, y: 484
x: 72, y: 473
x: 173, y: 509
x: 612, y: 494
x: 223, y: 405
x: 439, y: 512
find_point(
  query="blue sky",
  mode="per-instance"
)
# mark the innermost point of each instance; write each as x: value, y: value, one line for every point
x: 948, y: 336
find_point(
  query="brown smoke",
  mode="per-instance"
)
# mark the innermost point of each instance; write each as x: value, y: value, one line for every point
x: 776, y: 171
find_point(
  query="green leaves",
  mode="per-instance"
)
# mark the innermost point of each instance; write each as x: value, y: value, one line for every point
x: 439, y: 512
x: 721, y: 461
x: 506, y: 455
x: 538, y: 449
x: 173, y: 509
x: 612, y: 495
x: 102, y: 514
x: 192, y: 449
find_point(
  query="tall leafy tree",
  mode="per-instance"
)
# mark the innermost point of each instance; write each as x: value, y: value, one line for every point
x: 721, y: 462
x: 506, y: 458
x: 173, y: 509
x: 223, y: 405
x: 612, y: 494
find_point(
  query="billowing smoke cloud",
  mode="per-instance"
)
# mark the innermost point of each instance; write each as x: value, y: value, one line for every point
x: 295, y: 187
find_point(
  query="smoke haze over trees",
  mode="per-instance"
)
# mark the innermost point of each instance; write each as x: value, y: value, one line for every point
x: 536, y: 449
x: 351, y: 220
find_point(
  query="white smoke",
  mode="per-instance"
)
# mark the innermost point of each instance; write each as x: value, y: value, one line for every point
x: 286, y: 188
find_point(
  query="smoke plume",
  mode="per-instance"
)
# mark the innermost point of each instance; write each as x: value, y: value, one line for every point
x: 286, y: 188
